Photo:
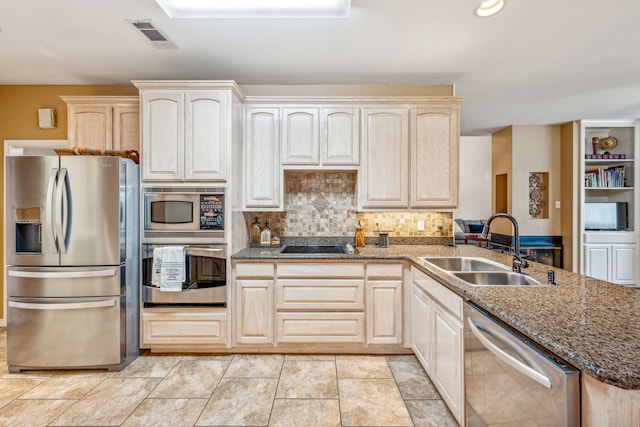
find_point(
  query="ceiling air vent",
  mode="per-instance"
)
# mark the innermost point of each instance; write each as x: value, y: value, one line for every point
x: 153, y: 34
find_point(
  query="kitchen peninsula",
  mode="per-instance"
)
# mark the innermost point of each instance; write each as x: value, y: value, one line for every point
x: 592, y: 324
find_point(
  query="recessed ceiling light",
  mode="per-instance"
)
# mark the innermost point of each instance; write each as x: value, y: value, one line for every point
x: 256, y: 8
x: 489, y: 7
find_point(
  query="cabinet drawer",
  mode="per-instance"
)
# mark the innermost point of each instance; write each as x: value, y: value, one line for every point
x: 254, y: 269
x: 448, y: 299
x: 320, y: 327
x: 380, y: 270
x: 318, y: 295
x: 184, y: 328
x: 321, y: 270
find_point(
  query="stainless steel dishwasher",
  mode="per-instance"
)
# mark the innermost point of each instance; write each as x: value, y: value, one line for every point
x: 510, y: 380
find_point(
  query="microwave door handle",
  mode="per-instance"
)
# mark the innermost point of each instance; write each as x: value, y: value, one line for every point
x: 60, y: 212
x: 51, y: 205
x: 502, y: 355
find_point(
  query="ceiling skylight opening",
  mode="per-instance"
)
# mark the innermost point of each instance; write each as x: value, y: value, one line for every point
x: 256, y: 8
x: 488, y: 8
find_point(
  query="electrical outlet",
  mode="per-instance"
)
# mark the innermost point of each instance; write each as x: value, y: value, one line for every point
x: 421, y: 225
x: 557, y: 204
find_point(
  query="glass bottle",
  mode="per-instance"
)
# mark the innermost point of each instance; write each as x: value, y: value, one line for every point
x: 265, y: 236
x: 275, y: 238
x: 255, y: 233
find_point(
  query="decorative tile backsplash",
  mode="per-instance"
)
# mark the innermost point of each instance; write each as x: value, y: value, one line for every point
x: 323, y: 204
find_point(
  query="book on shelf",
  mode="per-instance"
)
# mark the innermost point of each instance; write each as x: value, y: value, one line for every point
x: 611, y: 177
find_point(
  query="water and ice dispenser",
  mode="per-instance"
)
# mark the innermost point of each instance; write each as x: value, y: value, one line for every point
x: 28, y: 230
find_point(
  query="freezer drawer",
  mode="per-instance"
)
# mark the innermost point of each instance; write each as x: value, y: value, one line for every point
x: 65, y: 282
x: 65, y: 332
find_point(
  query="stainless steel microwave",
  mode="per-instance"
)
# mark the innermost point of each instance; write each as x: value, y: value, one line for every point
x: 173, y: 214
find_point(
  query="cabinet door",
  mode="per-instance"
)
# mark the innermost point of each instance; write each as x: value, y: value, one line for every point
x: 421, y: 327
x: 162, y: 135
x: 300, y: 136
x: 126, y: 128
x: 384, y: 182
x: 263, y: 175
x: 434, y: 157
x: 206, y: 135
x: 90, y: 126
x: 340, y: 136
x: 255, y: 311
x: 448, y: 360
x: 624, y: 263
x: 384, y: 312
x: 597, y: 261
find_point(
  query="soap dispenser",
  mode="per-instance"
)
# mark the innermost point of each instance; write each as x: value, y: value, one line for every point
x: 255, y: 233
x: 265, y: 236
x: 359, y: 237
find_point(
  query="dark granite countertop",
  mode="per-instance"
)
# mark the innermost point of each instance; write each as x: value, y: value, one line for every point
x: 592, y: 324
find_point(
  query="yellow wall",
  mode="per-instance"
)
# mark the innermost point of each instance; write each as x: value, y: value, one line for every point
x: 19, y: 106
x: 501, y: 163
x: 569, y: 135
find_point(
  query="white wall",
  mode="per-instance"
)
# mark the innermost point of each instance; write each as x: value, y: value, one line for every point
x: 475, y: 178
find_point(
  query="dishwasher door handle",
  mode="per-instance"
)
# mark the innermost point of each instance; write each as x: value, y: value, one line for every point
x: 511, y: 361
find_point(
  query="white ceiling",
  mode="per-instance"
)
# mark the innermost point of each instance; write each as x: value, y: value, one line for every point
x: 578, y: 60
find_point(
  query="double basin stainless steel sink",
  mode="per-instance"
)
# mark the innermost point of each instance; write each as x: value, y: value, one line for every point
x: 481, y: 272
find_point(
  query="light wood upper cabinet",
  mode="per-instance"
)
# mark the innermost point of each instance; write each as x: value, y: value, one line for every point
x: 300, y: 136
x: 103, y: 122
x: 185, y: 135
x: 384, y: 181
x: 320, y: 136
x: 340, y: 136
x: 186, y: 130
x: 162, y: 135
x: 434, y: 156
x: 206, y: 135
x: 263, y: 175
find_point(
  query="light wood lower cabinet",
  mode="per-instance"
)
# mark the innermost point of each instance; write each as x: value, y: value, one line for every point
x: 187, y: 326
x: 437, y: 338
x: 254, y: 311
x: 421, y: 330
x: 384, y: 303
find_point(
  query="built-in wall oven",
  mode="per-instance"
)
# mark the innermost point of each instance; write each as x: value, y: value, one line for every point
x: 194, y: 219
x: 205, y: 277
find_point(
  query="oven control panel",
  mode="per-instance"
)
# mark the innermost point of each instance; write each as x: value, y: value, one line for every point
x: 211, y: 212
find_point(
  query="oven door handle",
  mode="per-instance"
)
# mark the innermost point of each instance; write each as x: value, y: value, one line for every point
x: 205, y: 252
x: 511, y: 361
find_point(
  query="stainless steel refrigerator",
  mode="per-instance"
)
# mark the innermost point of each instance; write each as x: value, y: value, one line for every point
x: 73, y: 255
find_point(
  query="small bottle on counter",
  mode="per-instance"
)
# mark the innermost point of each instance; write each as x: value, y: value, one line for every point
x: 255, y: 233
x: 359, y: 237
x: 275, y: 238
x: 265, y: 236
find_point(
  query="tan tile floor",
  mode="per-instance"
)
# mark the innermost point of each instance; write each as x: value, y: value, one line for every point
x: 236, y: 390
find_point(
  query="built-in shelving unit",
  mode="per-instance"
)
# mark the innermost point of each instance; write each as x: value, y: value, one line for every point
x: 609, y: 174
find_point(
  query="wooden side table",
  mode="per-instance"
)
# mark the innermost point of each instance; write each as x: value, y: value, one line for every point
x: 482, y: 241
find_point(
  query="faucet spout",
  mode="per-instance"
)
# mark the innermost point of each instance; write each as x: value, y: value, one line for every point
x: 518, y: 263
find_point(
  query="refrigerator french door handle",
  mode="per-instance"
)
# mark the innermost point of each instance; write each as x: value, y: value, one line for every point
x: 62, y: 306
x: 502, y: 355
x: 62, y: 274
x: 61, y: 211
x: 50, y: 203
